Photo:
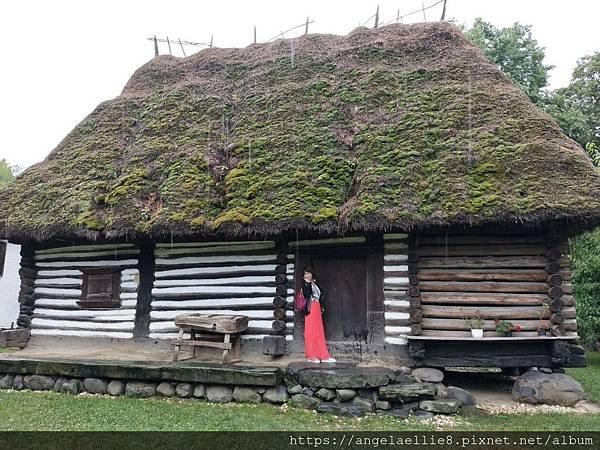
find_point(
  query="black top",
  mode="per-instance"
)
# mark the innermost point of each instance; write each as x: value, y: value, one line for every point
x: 307, y: 292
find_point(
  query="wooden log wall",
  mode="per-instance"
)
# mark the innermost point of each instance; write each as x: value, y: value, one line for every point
x: 562, y: 303
x: 397, y: 301
x: 26, y: 299
x: 219, y: 278
x: 283, y: 314
x: 503, y: 276
x: 57, y: 289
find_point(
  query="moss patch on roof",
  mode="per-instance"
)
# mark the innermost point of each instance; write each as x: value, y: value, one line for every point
x: 402, y: 126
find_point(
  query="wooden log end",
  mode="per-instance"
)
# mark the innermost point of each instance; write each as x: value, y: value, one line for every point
x: 281, y: 290
x: 556, y: 305
x: 281, y: 278
x: 413, y: 268
x: 279, y: 302
x: 27, y: 251
x: 278, y: 326
x: 279, y: 313
x: 577, y: 349
x: 416, y: 315
x: 24, y: 321
x: 555, y: 292
x: 557, y: 318
x: 554, y: 279
x: 553, y: 267
x: 414, y: 291
x: 25, y: 272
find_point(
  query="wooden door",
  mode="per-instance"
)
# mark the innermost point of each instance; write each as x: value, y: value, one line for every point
x: 343, y: 282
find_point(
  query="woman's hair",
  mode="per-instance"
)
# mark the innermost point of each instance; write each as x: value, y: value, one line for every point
x: 308, y: 269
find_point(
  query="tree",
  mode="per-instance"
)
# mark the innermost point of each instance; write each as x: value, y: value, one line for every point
x: 517, y: 54
x: 571, y: 119
x: 6, y: 173
x: 577, y: 107
x: 585, y: 254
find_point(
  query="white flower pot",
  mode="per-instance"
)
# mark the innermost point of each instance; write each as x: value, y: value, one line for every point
x: 477, y: 333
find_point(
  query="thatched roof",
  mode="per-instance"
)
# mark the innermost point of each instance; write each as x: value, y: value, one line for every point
x: 398, y: 127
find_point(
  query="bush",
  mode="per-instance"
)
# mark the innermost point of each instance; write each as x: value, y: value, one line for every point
x: 585, y: 253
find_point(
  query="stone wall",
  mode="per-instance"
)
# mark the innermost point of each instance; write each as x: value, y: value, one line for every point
x: 342, y: 390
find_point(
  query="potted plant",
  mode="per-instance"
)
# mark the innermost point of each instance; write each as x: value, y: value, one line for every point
x: 543, y: 327
x: 506, y: 327
x: 476, y: 325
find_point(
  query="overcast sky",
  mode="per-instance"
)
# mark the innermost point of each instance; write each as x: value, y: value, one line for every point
x: 62, y: 58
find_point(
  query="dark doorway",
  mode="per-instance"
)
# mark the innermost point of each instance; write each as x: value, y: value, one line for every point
x: 343, y: 282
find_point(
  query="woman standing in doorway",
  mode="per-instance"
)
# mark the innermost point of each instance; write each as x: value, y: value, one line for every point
x: 315, y: 347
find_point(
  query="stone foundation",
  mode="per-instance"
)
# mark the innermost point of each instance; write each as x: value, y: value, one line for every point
x: 342, y: 389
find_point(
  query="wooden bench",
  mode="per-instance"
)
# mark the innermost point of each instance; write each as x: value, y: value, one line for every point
x: 229, y: 326
x: 492, y: 351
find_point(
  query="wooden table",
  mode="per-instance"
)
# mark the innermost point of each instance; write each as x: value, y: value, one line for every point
x: 230, y: 326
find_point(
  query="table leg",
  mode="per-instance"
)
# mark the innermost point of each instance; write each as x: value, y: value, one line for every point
x: 193, y: 338
x: 226, y: 340
x: 177, y: 346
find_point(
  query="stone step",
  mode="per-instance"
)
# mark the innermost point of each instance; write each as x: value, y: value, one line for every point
x: 189, y: 372
x: 342, y: 375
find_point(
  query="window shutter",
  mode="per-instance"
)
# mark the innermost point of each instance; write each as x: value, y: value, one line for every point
x: 101, y: 289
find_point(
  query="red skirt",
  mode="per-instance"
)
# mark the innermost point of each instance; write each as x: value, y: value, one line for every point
x: 314, y: 334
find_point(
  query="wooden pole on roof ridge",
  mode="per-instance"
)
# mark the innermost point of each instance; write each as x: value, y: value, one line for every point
x: 155, y: 47
x: 444, y: 12
x: 169, y: 44
x: 255, y: 34
x: 306, y: 27
x: 397, y: 16
x: 211, y: 40
x: 181, y: 45
x: 424, y: 16
x: 376, y: 17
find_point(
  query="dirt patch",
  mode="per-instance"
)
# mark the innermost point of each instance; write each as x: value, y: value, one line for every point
x: 488, y: 388
x: 493, y: 393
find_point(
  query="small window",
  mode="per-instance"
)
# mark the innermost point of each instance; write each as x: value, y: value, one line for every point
x: 101, y: 288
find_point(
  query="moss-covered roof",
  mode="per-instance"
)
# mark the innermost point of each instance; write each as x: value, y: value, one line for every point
x: 402, y: 126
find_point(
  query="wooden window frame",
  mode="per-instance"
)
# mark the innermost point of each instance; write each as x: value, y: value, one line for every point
x: 97, y: 300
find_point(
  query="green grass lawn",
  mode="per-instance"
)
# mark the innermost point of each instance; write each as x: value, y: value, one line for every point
x: 50, y: 411
x: 589, y: 376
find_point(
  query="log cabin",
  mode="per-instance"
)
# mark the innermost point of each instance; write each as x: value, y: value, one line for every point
x: 422, y: 185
